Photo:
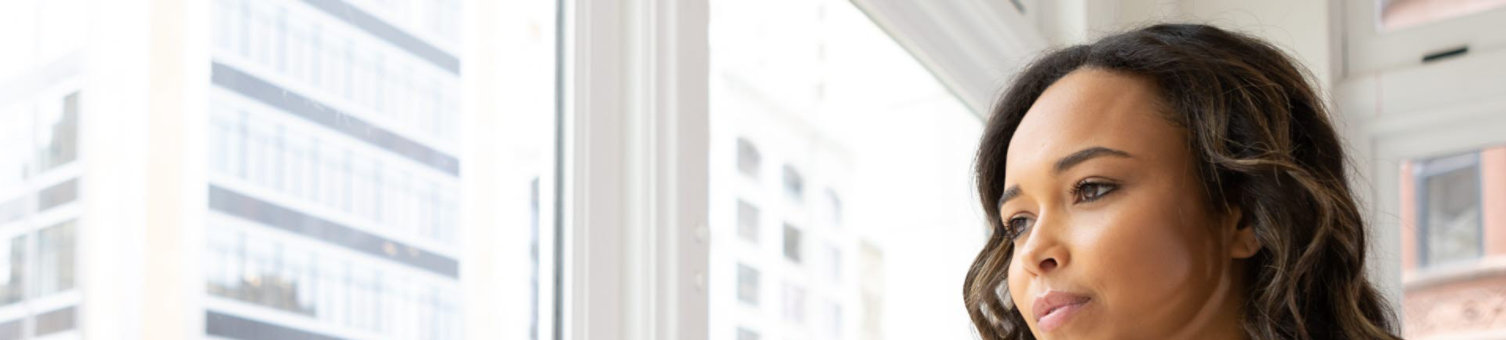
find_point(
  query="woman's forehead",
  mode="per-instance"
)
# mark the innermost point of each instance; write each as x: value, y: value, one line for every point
x: 1092, y: 108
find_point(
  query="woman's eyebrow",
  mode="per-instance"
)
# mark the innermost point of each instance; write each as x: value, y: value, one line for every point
x: 1085, y: 154
x: 1066, y: 163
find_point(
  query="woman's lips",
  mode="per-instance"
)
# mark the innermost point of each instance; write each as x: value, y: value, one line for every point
x: 1054, y: 309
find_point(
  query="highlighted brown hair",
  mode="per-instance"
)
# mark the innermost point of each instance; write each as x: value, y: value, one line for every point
x: 1263, y: 143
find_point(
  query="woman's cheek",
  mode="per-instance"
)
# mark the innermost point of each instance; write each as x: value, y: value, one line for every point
x: 1145, y: 261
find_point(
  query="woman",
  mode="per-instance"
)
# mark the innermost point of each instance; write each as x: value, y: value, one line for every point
x: 1172, y: 182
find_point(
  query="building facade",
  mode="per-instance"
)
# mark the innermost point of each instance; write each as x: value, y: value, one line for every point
x: 333, y: 181
x: 784, y: 259
x: 1453, y: 218
x: 40, y: 179
x: 274, y: 169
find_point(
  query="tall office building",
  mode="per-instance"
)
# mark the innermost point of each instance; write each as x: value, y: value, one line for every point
x: 333, y: 179
x: 41, y: 171
x: 39, y: 210
x: 270, y: 169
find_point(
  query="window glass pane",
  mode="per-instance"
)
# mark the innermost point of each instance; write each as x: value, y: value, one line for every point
x: 794, y: 184
x: 792, y: 243
x: 748, y: 158
x: 57, y: 132
x: 15, y: 144
x: 745, y: 334
x: 871, y: 175
x: 13, y: 272
x: 1399, y: 14
x: 1451, y: 189
x: 794, y: 303
x: 747, y: 284
x: 55, y: 256
x: 747, y: 221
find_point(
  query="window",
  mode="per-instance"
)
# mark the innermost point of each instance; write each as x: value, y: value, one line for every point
x: 748, y: 158
x: 792, y: 243
x: 243, y: 28
x: 794, y: 303
x: 15, y: 144
x: 747, y: 284
x: 58, y: 133
x: 836, y: 322
x: 1449, y: 202
x: 794, y: 183
x: 280, y: 47
x: 834, y: 208
x: 834, y: 261
x: 13, y: 274
x: 54, y: 264
x: 746, y: 334
x: 747, y: 221
x: 1398, y: 14
x: 316, y: 55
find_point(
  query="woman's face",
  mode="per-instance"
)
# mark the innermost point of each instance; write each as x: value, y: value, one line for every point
x: 1117, y: 240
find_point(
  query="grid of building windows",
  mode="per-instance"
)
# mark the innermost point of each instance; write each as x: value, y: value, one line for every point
x: 315, y: 55
x: 251, y: 264
x: 803, y: 265
x: 38, y: 213
x: 38, y: 263
x: 298, y: 161
x: 333, y: 189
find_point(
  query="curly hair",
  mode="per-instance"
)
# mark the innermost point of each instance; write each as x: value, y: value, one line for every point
x: 1262, y: 141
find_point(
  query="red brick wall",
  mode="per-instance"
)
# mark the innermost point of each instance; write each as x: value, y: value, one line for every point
x: 1493, y: 189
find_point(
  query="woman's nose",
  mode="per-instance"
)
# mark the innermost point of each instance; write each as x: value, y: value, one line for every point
x: 1044, y: 251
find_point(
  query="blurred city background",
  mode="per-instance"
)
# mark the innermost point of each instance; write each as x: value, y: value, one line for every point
x: 390, y: 169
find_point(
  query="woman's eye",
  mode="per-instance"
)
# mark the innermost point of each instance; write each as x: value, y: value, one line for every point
x: 1019, y: 226
x: 1089, y: 191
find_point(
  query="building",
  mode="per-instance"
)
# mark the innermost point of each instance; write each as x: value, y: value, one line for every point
x: 40, y: 174
x: 334, y: 177
x: 273, y: 170
x: 782, y: 256
x: 1453, y: 218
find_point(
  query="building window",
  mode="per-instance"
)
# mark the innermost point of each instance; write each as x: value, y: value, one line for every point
x: 13, y: 274
x: 794, y: 183
x: 834, y: 255
x: 747, y: 221
x: 1398, y: 14
x: 836, y: 319
x: 15, y: 146
x: 54, y: 262
x: 1450, y: 213
x: 746, y: 334
x: 794, y: 303
x: 747, y: 284
x: 792, y: 242
x: 748, y: 158
x: 58, y: 135
x: 834, y: 208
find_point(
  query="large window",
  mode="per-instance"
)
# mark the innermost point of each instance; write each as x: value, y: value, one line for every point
x: 864, y: 159
x: 378, y: 169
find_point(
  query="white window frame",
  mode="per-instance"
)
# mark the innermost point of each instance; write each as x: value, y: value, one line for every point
x: 636, y: 139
